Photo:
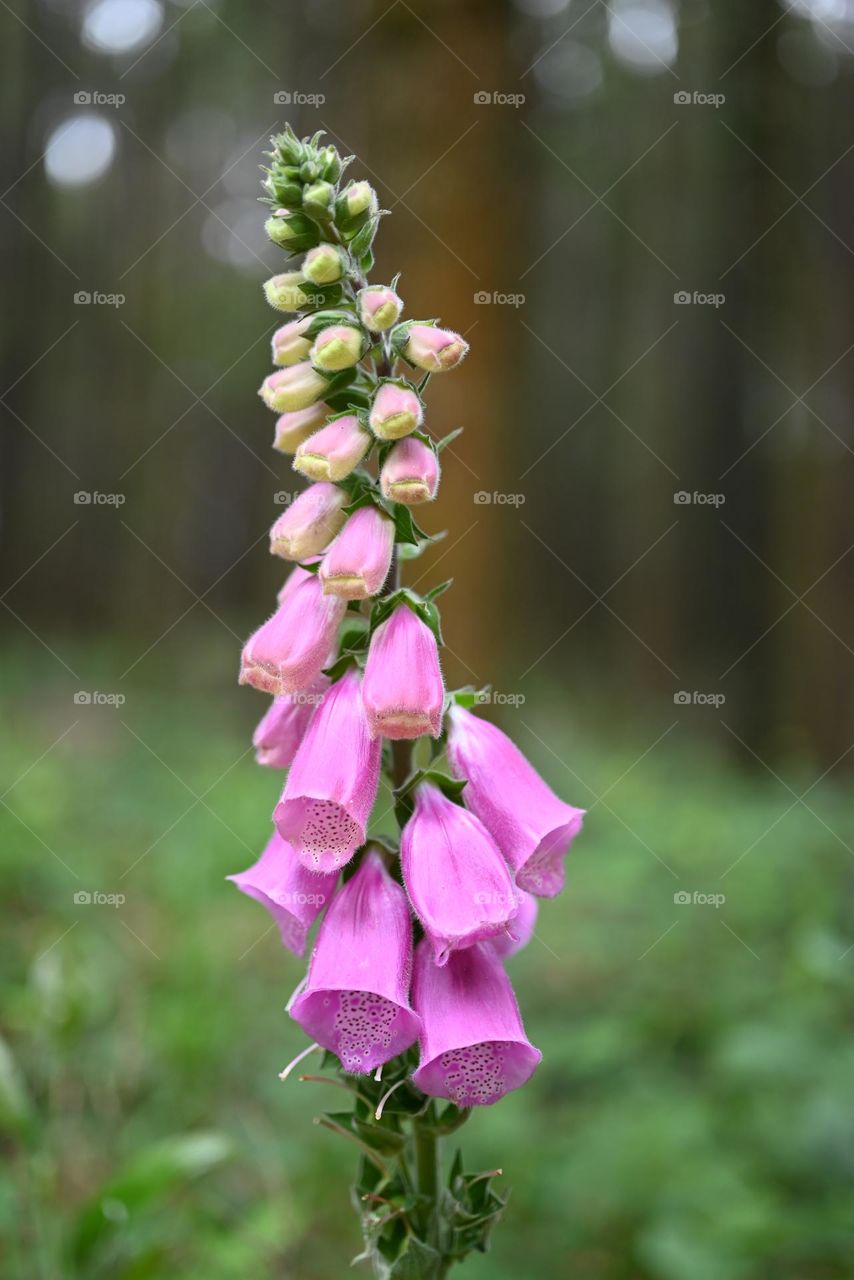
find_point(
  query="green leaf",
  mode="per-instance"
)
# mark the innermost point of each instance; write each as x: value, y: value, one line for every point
x: 446, y: 440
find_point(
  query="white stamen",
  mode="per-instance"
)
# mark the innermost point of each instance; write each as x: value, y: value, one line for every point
x: 312, y: 1048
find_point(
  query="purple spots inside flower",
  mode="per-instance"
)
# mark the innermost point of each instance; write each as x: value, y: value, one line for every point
x: 474, y: 1075
x: 363, y: 1025
x: 328, y: 829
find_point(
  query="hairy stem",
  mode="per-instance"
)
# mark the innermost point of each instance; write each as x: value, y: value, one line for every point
x: 427, y: 1173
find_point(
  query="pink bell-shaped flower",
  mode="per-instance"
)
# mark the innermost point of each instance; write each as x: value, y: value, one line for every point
x: 293, y: 428
x: 357, y: 563
x: 294, y: 388
x: 435, y: 350
x: 410, y: 473
x: 355, y: 1002
x: 310, y: 523
x: 281, y: 729
x: 395, y: 411
x: 531, y: 826
x: 456, y: 878
x: 289, y: 651
x: 333, y: 451
x: 473, y: 1045
x: 332, y: 784
x: 403, y: 690
x: 293, y: 896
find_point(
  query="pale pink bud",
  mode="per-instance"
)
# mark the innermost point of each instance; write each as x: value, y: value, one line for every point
x: 403, y: 690
x: 395, y: 411
x: 283, y: 291
x: 289, y: 345
x: 360, y: 197
x: 310, y: 522
x: 339, y: 346
x: 333, y: 451
x: 325, y: 264
x: 293, y: 428
x: 332, y: 783
x: 410, y: 473
x: 282, y: 727
x: 295, y: 388
x: 379, y: 308
x: 434, y: 349
x: 290, y: 650
x: 358, y: 561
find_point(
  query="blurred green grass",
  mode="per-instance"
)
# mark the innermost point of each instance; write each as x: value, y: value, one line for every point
x: 693, y: 1113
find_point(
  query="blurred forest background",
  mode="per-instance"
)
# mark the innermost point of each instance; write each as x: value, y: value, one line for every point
x: 640, y: 214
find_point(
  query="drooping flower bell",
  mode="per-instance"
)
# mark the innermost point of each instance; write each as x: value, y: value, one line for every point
x: 355, y: 1002
x: 293, y: 896
x: 410, y: 473
x: 403, y: 690
x: 296, y: 387
x: 333, y: 451
x: 357, y: 563
x: 456, y: 878
x: 521, y: 928
x: 284, y: 292
x: 333, y: 780
x: 473, y: 1045
x: 395, y: 411
x: 338, y: 346
x: 310, y: 523
x: 293, y: 428
x: 282, y: 728
x: 531, y: 826
x: 434, y: 350
x: 289, y: 651
x: 289, y: 343
x: 379, y: 308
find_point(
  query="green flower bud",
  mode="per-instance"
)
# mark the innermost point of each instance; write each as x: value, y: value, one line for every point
x: 339, y: 347
x: 309, y: 171
x: 291, y: 231
x: 284, y: 293
x: 317, y: 198
x: 331, y: 164
x: 360, y: 197
x: 325, y: 264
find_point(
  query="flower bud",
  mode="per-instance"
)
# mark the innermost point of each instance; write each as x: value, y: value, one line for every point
x: 289, y: 345
x: 358, y: 561
x: 293, y: 428
x: 317, y: 197
x: 359, y: 198
x: 379, y: 308
x: 291, y: 231
x: 333, y: 451
x: 396, y: 410
x: 410, y: 473
x: 289, y: 651
x: 434, y: 349
x: 294, y: 388
x: 338, y: 347
x: 283, y: 291
x: 325, y: 264
x: 330, y: 163
x: 310, y: 522
x: 403, y: 691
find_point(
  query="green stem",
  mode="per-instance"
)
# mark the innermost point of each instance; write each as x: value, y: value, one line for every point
x: 427, y: 1173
